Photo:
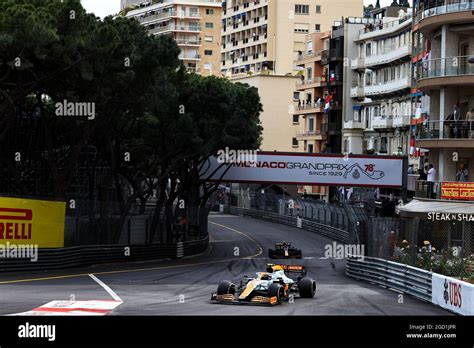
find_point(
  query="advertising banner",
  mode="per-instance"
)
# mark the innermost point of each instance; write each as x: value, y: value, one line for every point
x: 308, y: 169
x: 453, y: 294
x: 32, y: 222
x: 457, y: 190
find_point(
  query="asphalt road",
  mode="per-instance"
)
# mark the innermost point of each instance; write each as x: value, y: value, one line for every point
x: 183, y: 287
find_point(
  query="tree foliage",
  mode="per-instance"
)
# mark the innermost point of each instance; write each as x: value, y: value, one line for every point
x: 147, y: 107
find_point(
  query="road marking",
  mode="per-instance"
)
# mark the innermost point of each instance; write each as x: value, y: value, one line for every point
x: 260, y: 249
x: 80, y: 275
x: 73, y: 308
x: 106, y: 288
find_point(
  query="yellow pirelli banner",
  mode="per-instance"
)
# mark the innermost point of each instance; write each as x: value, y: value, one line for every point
x: 33, y: 222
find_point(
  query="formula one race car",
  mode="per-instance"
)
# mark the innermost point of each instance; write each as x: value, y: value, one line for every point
x: 271, y: 287
x: 284, y: 250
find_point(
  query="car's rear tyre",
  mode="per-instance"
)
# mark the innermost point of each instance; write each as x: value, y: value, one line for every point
x: 226, y: 287
x: 276, y: 290
x: 307, y: 287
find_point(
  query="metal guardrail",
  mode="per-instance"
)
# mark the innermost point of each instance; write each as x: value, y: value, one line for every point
x: 52, y: 259
x: 324, y: 230
x: 391, y: 275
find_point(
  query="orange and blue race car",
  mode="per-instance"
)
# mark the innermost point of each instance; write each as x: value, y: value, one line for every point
x: 284, y: 250
x: 270, y: 288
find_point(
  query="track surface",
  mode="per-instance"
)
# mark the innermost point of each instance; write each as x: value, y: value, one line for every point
x: 183, y: 287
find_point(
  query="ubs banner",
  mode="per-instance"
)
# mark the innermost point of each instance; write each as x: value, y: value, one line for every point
x: 453, y: 294
x: 309, y: 169
x: 33, y: 222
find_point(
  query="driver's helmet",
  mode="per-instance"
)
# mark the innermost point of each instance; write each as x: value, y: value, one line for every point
x: 266, y: 276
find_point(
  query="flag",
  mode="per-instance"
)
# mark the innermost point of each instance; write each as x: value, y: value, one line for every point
x: 412, y: 147
x: 327, y: 104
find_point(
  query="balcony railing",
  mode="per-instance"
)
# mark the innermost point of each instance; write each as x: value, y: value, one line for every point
x: 189, y: 56
x: 388, y: 54
x: 452, y: 66
x: 310, y: 106
x: 194, y: 42
x: 382, y: 122
x: 149, y: 18
x: 442, y: 130
x: 389, y: 87
x: 317, y: 79
x: 309, y: 55
x: 315, y: 133
x: 401, y: 121
x: 374, y: 27
x: 443, y: 7
x: 424, y: 189
x: 175, y: 28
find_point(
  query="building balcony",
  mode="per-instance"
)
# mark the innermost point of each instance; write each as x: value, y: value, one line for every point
x: 376, y: 30
x: 443, y: 134
x: 189, y: 56
x: 401, y: 121
x: 309, y: 83
x: 389, y: 55
x: 452, y: 71
x: 353, y: 124
x: 388, y: 88
x: 445, y: 12
x: 312, y: 108
x: 175, y: 28
x: 311, y: 135
x: 188, y: 42
x: 358, y: 64
x: 357, y: 92
x: 308, y: 57
x: 156, y: 17
x: 382, y: 122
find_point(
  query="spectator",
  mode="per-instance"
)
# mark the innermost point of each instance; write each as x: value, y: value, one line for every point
x: 462, y: 174
x: 422, y: 175
x: 470, y: 122
x: 431, y: 179
x: 457, y: 119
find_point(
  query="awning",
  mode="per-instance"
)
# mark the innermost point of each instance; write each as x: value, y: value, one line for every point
x: 421, y: 208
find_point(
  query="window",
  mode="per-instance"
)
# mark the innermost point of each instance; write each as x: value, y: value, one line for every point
x: 295, y: 142
x: 317, y: 27
x: 209, y: 11
x: 311, y: 125
x: 296, y: 119
x: 318, y: 8
x: 209, y: 25
x: 310, y: 148
x: 302, y: 9
x: 302, y: 28
x: 208, y: 66
x: 208, y: 52
x: 209, y: 39
x: 296, y: 96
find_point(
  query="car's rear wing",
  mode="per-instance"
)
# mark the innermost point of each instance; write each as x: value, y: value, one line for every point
x: 296, y: 269
x: 280, y: 245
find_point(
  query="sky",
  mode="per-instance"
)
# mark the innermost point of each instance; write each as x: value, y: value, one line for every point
x: 103, y: 8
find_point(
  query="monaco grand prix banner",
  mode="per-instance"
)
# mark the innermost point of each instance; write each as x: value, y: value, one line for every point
x: 453, y: 294
x: 305, y: 169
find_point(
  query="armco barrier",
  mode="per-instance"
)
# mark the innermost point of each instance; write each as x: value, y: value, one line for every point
x: 392, y: 275
x: 328, y: 231
x: 50, y: 259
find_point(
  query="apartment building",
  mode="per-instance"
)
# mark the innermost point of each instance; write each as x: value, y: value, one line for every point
x: 444, y: 71
x: 259, y: 35
x: 443, y: 122
x: 194, y: 24
x: 381, y: 86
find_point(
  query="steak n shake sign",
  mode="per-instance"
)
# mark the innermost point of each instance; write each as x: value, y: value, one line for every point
x: 309, y: 169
